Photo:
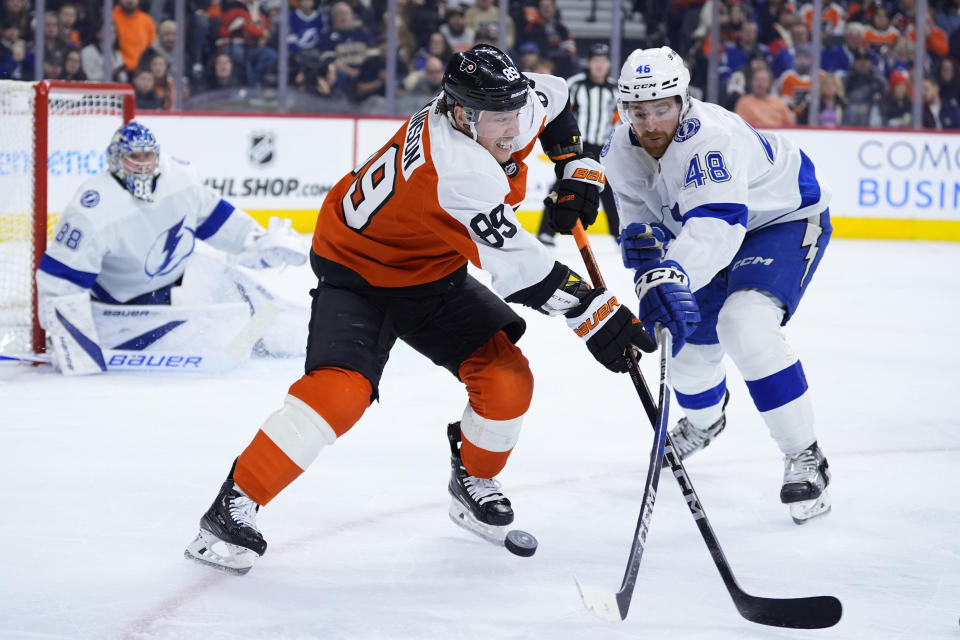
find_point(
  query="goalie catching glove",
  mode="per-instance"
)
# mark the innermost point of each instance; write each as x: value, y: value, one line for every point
x: 274, y: 246
x: 596, y: 315
x: 577, y: 196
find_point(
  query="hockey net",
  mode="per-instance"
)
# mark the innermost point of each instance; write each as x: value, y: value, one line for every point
x: 53, y: 136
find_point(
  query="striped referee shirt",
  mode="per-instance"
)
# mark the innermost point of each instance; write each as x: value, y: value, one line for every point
x: 595, y: 106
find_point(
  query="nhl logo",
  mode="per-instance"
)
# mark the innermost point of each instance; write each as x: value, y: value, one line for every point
x: 262, y: 147
x: 468, y: 67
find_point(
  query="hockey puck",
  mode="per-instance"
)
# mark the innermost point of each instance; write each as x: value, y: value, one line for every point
x: 520, y: 543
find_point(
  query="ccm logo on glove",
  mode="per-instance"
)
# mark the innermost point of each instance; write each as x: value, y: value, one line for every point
x: 588, y: 325
x: 655, y: 276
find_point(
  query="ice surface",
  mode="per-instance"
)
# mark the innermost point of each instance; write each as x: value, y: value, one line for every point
x: 105, y: 478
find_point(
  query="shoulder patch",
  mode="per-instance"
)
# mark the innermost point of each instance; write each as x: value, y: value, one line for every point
x: 606, y: 146
x: 687, y: 129
x: 90, y: 198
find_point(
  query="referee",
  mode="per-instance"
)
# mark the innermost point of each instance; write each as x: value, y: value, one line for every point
x: 593, y: 100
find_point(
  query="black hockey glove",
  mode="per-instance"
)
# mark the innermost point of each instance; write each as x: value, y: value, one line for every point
x: 609, y: 329
x: 578, y: 194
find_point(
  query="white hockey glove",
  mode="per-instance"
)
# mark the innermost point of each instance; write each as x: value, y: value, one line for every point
x: 274, y: 247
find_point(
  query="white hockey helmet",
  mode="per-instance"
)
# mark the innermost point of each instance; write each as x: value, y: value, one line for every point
x: 651, y: 74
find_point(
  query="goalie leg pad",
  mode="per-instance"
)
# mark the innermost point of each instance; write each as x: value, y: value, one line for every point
x: 73, y: 335
x: 207, y: 281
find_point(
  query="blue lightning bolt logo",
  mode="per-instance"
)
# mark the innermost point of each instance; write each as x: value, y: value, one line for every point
x: 170, y: 244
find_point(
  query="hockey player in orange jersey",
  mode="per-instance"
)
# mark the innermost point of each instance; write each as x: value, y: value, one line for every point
x: 391, y: 247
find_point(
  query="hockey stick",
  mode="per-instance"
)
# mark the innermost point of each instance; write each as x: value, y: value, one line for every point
x: 604, y: 604
x: 816, y: 612
x: 614, y: 606
x: 25, y: 358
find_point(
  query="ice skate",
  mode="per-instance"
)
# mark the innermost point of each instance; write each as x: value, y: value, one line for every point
x: 806, y: 476
x: 477, y: 504
x: 228, y: 539
x: 688, y: 439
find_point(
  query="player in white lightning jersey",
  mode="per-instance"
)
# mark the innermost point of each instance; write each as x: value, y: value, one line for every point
x: 724, y: 227
x: 391, y: 248
x: 127, y: 237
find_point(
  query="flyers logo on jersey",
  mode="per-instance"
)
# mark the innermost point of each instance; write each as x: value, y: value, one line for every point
x: 468, y: 67
x: 589, y: 175
x: 593, y: 321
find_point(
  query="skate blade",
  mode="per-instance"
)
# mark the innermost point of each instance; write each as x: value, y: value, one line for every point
x: 462, y: 517
x: 804, y: 511
x: 209, y: 550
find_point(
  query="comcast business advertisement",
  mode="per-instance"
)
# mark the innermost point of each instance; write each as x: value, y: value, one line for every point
x: 895, y: 175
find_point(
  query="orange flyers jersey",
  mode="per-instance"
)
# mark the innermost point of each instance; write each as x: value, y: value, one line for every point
x: 794, y: 86
x: 874, y: 38
x: 832, y: 13
x: 432, y: 198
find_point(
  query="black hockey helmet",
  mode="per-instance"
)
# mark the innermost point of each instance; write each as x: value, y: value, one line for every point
x: 484, y: 78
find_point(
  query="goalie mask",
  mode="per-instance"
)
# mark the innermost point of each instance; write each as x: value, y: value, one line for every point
x: 494, y: 94
x: 134, y: 159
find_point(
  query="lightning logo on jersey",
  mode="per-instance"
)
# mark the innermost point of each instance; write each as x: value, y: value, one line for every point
x: 171, y: 248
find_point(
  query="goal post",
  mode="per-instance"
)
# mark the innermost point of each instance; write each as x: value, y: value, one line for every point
x: 53, y: 137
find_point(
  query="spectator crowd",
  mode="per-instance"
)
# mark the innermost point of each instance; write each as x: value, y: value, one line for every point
x: 338, y: 50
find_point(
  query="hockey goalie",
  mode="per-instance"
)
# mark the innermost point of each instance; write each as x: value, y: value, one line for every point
x: 122, y: 285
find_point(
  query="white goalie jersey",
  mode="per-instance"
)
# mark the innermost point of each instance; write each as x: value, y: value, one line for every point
x: 120, y: 247
x: 718, y: 179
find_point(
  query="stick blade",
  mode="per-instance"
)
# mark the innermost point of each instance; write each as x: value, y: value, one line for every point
x: 817, y: 612
x: 600, y: 603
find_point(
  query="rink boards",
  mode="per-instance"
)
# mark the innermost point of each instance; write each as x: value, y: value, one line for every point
x: 886, y: 184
